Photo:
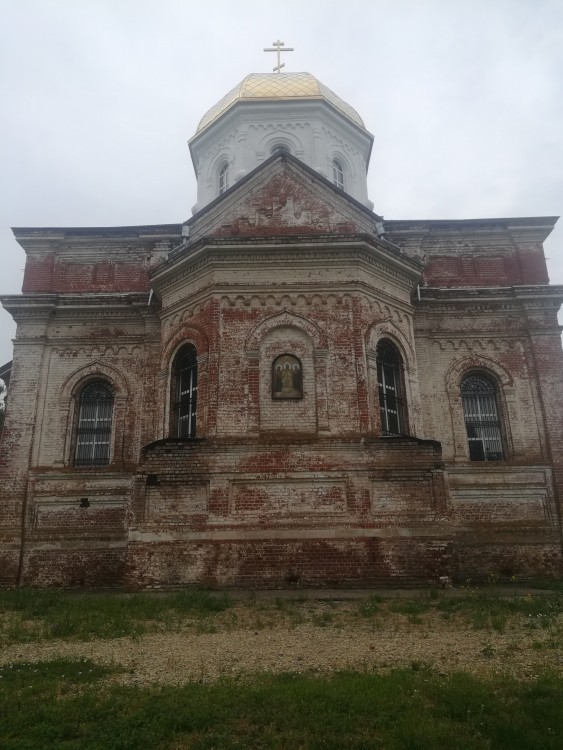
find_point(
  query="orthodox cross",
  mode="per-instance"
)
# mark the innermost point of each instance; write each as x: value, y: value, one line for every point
x: 277, y: 47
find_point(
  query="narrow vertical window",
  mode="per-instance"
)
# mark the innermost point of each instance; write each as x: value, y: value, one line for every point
x: 481, y: 418
x: 223, y: 178
x: 185, y: 392
x: 93, y: 432
x: 390, y: 384
x: 338, y: 174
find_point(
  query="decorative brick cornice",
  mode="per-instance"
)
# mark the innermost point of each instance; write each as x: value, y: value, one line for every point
x: 491, y: 298
x: 336, y: 249
x: 538, y: 227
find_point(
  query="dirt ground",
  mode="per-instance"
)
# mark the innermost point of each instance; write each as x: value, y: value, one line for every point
x: 315, y: 636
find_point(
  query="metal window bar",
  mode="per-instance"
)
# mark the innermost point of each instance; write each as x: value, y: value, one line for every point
x: 391, y: 403
x: 338, y: 174
x: 224, y: 179
x: 481, y: 419
x: 93, y: 434
x: 185, y: 407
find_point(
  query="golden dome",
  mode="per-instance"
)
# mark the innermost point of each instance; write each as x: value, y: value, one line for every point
x: 275, y: 87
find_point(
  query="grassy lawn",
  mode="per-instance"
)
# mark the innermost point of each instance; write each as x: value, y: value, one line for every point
x: 65, y: 704
x: 61, y: 701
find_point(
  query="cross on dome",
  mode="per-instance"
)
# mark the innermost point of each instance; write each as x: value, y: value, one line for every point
x: 277, y: 47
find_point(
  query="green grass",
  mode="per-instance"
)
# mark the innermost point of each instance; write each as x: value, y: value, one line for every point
x: 548, y: 584
x: 69, y: 704
x: 481, y: 609
x: 30, y: 615
x: 484, y: 610
x: 64, y: 705
x: 370, y: 606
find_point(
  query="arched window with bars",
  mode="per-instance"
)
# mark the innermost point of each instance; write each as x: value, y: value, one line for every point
x: 338, y: 174
x: 391, y: 390
x: 223, y: 178
x: 94, y: 424
x: 482, y: 422
x: 184, y: 392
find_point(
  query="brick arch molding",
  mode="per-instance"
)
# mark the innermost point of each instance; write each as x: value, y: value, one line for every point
x: 90, y: 372
x: 477, y: 362
x: 290, y: 319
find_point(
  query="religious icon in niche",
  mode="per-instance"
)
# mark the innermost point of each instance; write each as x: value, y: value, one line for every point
x: 287, y: 377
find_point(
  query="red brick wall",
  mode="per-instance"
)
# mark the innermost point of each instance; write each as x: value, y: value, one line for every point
x: 281, y: 564
x: 518, y: 266
x: 50, y: 274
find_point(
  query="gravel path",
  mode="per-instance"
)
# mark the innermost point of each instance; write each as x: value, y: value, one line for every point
x: 279, y: 647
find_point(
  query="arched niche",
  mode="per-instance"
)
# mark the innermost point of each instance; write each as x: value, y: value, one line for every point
x: 290, y: 335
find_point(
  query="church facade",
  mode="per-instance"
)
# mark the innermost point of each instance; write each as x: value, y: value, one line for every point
x: 286, y: 389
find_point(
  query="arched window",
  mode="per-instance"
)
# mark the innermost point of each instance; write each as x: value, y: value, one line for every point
x: 184, y: 392
x: 224, y: 178
x: 338, y: 174
x: 93, y: 431
x: 479, y: 395
x: 390, y: 383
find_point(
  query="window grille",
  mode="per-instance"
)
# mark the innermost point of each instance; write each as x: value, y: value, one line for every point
x: 389, y: 380
x: 224, y: 178
x: 481, y: 418
x: 185, y: 390
x: 338, y: 174
x: 93, y: 433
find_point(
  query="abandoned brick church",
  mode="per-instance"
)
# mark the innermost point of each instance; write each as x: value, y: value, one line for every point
x: 286, y: 389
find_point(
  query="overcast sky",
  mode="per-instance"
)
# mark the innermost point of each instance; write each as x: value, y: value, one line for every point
x: 99, y: 97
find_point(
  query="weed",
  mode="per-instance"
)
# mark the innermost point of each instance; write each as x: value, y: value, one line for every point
x: 498, y: 622
x: 205, y: 626
x: 488, y: 650
x: 296, y: 615
x: 376, y: 624
x: 414, y: 619
x: 512, y: 648
x: 479, y: 619
x: 258, y: 623
x: 371, y: 606
x: 322, y: 619
x: 410, y: 606
x: 418, y: 666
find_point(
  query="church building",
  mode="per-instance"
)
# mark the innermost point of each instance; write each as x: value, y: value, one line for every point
x: 286, y: 389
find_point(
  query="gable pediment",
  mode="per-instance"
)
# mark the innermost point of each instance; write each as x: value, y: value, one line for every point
x: 282, y: 197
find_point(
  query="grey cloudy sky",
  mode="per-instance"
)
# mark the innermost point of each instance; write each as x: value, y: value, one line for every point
x: 98, y: 99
